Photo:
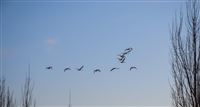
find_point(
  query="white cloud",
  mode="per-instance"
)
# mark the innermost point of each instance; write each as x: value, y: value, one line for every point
x: 51, y: 42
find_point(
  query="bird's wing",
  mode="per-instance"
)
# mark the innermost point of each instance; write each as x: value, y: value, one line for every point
x: 132, y: 68
x: 66, y: 69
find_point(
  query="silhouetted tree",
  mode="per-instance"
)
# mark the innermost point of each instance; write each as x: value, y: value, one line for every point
x: 2, y: 92
x: 9, y: 99
x: 6, y: 97
x: 185, y: 38
x: 27, y: 92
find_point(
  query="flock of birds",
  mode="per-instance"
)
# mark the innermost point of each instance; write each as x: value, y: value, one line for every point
x: 121, y: 58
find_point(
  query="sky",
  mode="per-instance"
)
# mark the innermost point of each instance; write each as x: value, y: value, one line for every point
x: 90, y: 33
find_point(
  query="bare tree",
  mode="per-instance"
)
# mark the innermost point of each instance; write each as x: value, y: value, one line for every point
x: 6, y: 97
x: 2, y: 92
x: 27, y: 92
x: 186, y: 57
x: 9, y: 99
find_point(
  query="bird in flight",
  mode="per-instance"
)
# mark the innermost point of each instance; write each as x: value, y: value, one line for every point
x: 49, y: 67
x: 96, y: 70
x: 114, y: 69
x: 79, y: 69
x: 123, y: 55
x: 133, y: 67
x: 67, y: 69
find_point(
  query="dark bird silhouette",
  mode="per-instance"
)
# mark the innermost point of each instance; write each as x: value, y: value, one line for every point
x: 133, y: 67
x: 49, y: 67
x: 67, y: 69
x: 79, y: 69
x: 123, y: 55
x: 114, y: 69
x: 96, y: 70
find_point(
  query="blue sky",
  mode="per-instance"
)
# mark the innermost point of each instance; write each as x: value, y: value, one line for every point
x: 71, y: 34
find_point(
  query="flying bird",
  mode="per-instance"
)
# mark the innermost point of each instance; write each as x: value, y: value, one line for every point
x: 49, y: 67
x: 133, y: 67
x: 123, y: 55
x: 79, y: 69
x: 114, y: 69
x: 67, y: 69
x: 96, y: 70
